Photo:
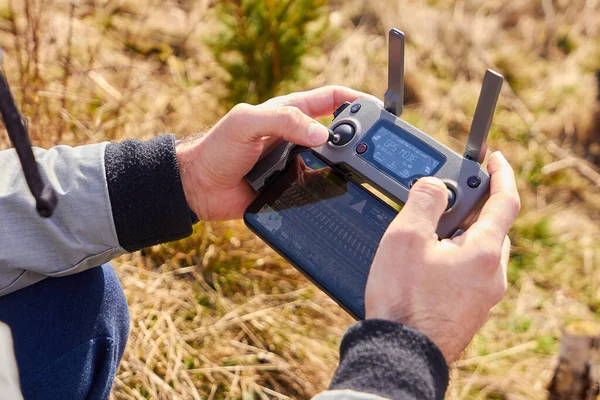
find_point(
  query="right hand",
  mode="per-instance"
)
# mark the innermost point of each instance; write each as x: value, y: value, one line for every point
x: 213, y: 166
x: 444, y: 288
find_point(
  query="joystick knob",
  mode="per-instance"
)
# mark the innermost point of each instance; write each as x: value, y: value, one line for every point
x: 451, y: 198
x: 342, y: 134
x: 451, y: 194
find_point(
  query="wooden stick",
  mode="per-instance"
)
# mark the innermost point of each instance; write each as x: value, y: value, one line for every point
x: 576, y: 376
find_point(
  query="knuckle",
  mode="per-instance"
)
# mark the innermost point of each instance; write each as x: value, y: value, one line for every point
x: 289, y: 117
x: 337, y: 92
x: 333, y: 88
x: 241, y: 110
x: 489, y: 258
x: 405, y: 234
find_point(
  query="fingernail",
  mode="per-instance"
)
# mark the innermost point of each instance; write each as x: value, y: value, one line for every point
x: 432, y: 180
x: 498, y: 153
x: 317, y: 134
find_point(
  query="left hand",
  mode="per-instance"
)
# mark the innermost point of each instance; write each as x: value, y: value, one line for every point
x: 213, y: 166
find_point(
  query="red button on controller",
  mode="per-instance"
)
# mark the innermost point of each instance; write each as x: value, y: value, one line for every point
x: 361, y: 148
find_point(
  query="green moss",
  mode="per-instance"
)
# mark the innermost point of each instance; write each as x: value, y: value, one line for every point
x: 148, y: 48
x: 566, y: 44
x: 144, y: 393
x: 523, y: 136
x: 204, y: 301
x: 521, y: 326
x: 546, y: 345
x: 439, y: 71
x: 95, y: 104
x: 538, y: 231
x: 533, y: 174
x: 528, y: 238
x: 508, y: 67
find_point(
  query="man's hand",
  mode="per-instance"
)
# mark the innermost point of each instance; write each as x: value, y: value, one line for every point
x: 444, y: 289
x: 213, y: 166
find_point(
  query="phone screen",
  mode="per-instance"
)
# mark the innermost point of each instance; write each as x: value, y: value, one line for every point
x: 325, y: 225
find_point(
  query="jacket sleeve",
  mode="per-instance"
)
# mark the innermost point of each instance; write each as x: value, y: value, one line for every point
x: 383, y: 359
x: 9, y: 373
x: 112, y: 198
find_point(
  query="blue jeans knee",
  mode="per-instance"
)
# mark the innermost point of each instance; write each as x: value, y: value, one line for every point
x: 69, y: 334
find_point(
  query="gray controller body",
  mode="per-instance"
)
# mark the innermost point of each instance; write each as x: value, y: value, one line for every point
x: 456, y: 171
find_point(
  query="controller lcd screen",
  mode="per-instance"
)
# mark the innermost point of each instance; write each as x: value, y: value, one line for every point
x: 399, y: 154
x: 326, y: 226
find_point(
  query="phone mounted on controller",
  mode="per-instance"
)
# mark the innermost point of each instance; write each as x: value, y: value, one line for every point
x: 370, y: 144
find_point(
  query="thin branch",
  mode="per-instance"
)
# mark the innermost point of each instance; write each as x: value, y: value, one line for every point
x: 584, y: 167
x: 67, y: 68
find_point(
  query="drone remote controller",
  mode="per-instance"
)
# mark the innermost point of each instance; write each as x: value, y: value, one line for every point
x: 372, y: 145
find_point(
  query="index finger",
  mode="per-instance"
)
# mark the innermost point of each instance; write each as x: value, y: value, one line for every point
x: 322, y: 101
x: 501, y: 209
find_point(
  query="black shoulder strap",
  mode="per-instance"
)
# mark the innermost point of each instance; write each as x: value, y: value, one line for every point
x: 16, y: 127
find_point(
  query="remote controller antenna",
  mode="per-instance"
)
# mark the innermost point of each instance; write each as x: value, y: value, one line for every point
x: 394, y: 96
x: 484, y: 112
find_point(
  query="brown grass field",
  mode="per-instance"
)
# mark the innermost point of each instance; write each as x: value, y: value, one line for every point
x: 221, y: 316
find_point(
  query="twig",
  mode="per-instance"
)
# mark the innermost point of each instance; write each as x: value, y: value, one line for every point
x: 15, y: 32
x: 558, y: 165
x: 583, y: 166
x: 498, y: 355
x: 274, y: 393
x: 67, y: 69
x: 237, y: 368
x: 222, y: 324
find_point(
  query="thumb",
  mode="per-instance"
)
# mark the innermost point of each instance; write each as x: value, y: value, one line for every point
x: 427, y: 201
x: 247, y: 123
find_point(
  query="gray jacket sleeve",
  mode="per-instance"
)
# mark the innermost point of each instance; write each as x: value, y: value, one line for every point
x: 9, y: 374
x: 112, y: 198
x: 347, y: 394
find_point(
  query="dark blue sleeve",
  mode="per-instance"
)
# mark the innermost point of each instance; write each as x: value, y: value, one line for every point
x: 146, y: 193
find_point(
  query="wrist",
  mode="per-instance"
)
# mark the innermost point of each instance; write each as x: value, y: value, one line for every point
x: 436, y: 328
x: 186, y: 152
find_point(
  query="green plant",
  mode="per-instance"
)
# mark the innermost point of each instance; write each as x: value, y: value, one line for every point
x: 262, y: 43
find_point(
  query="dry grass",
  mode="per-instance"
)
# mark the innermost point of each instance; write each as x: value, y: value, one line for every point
x: 219, y: 315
